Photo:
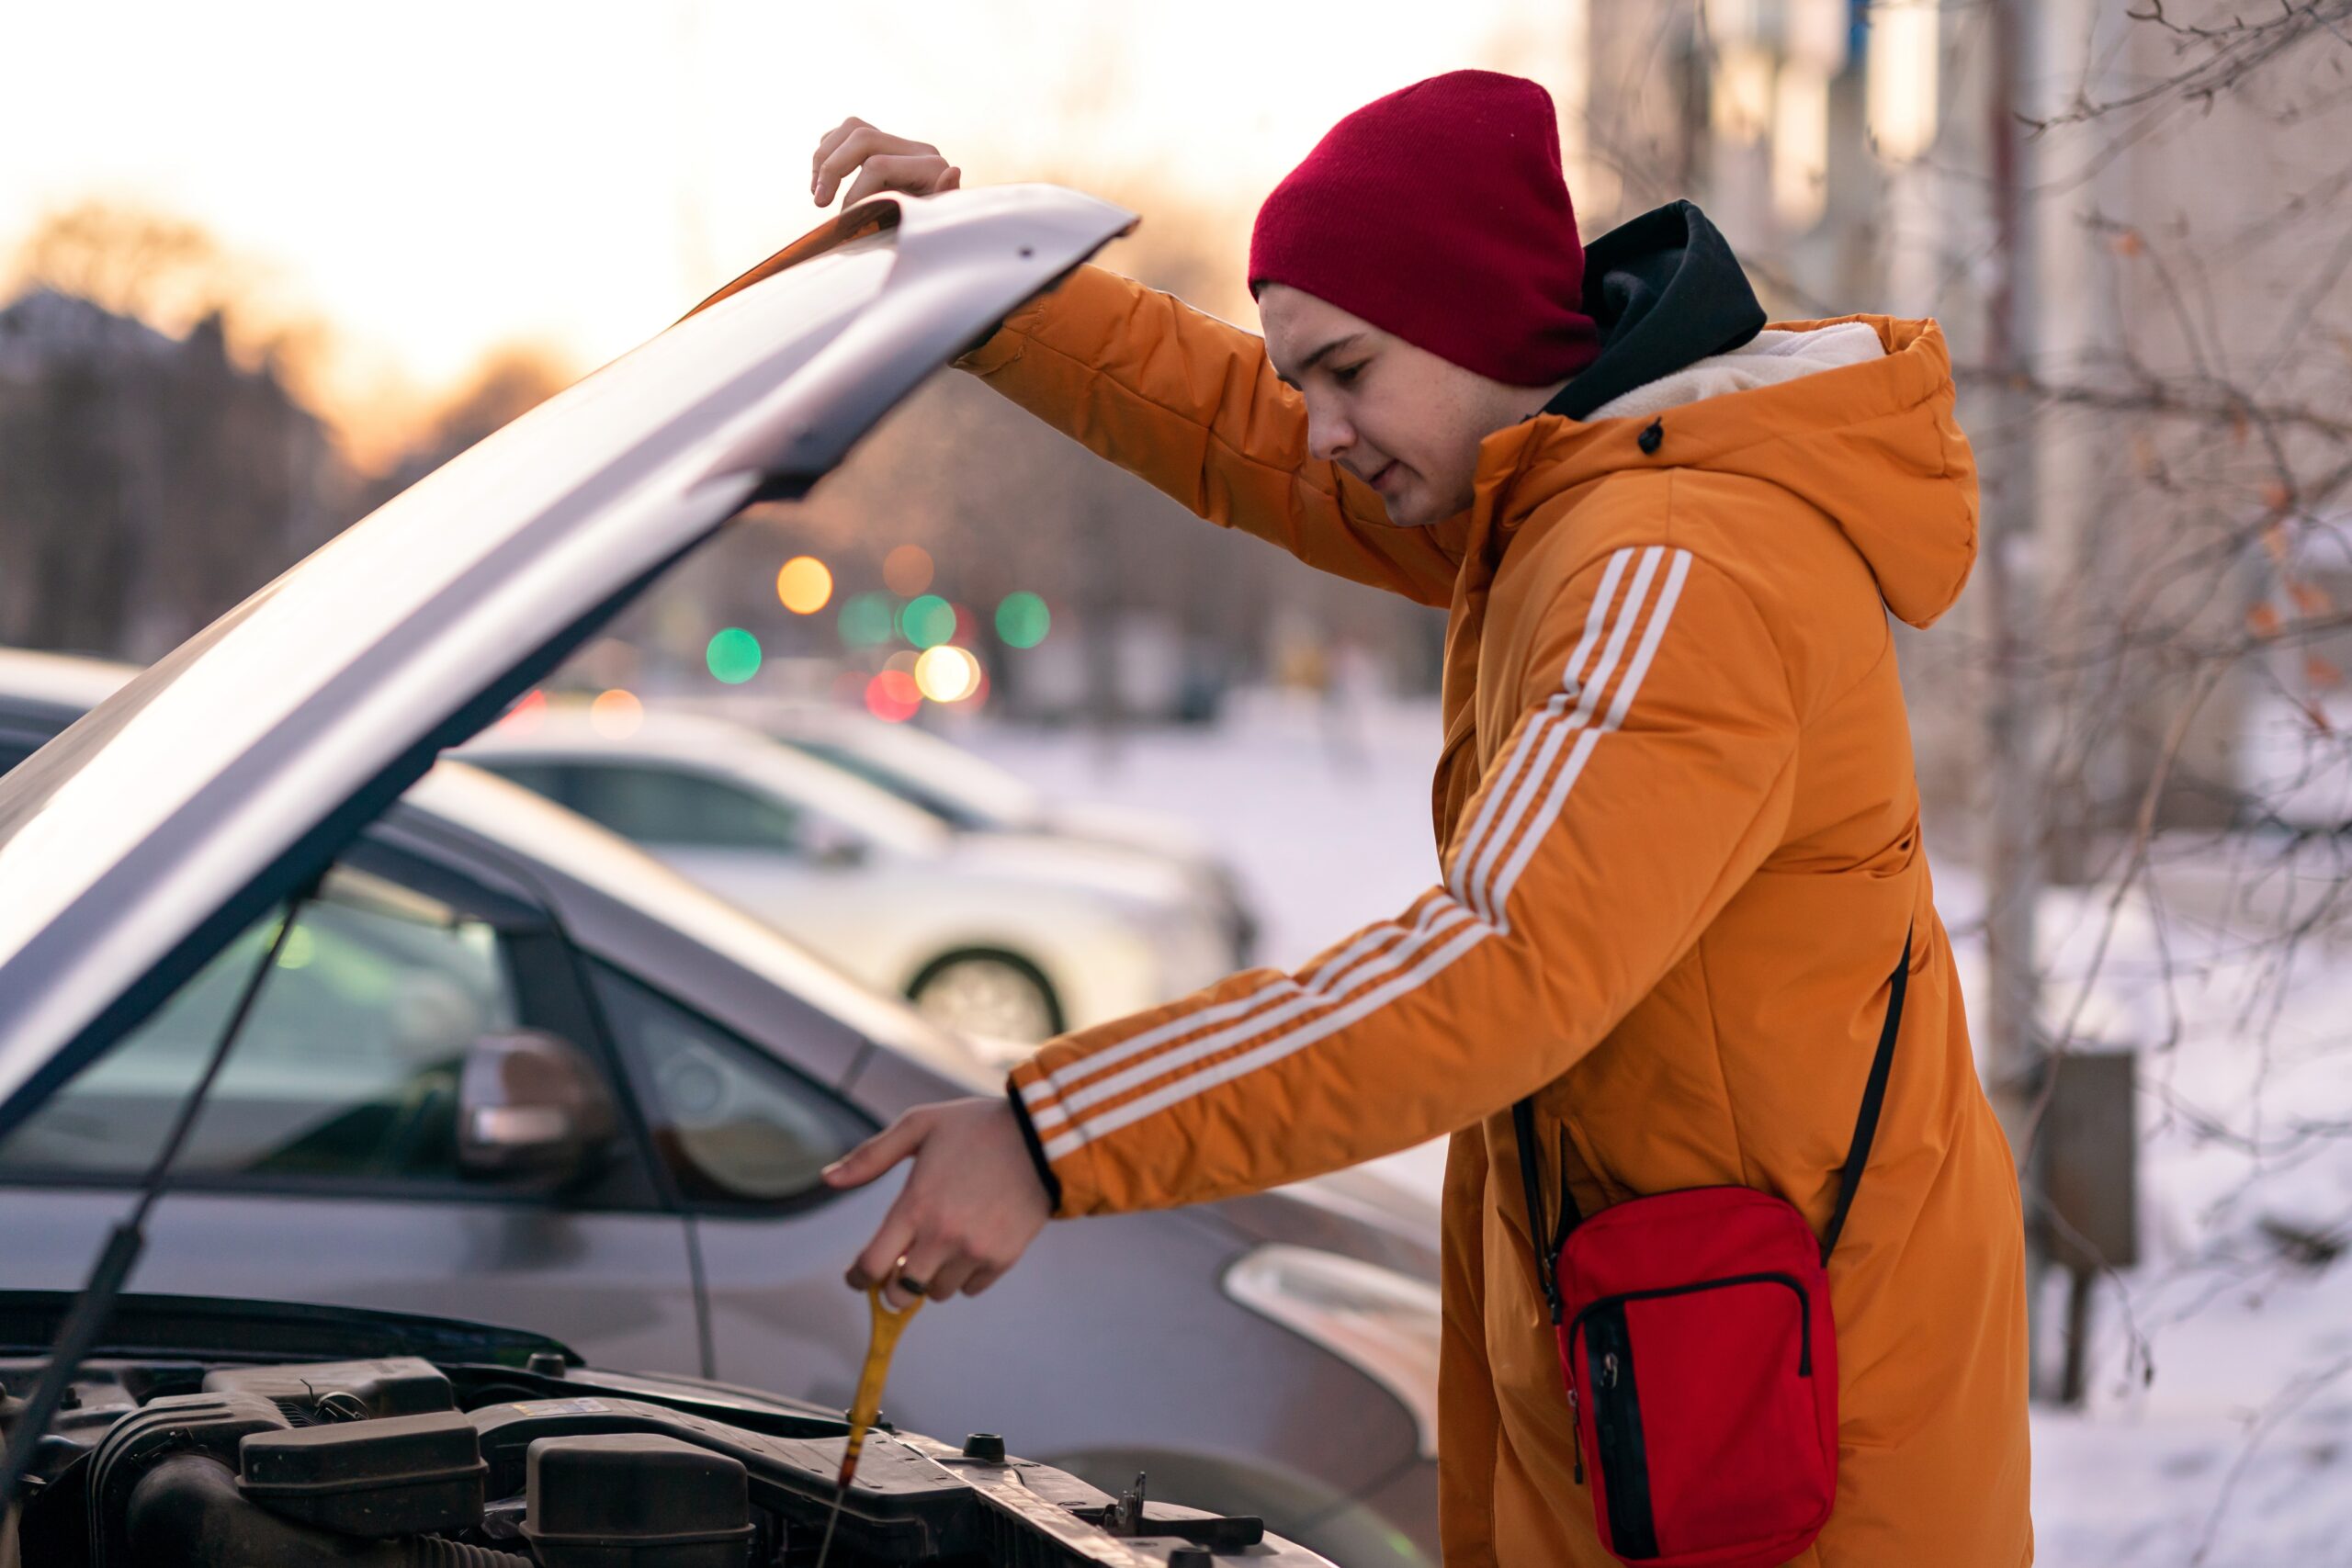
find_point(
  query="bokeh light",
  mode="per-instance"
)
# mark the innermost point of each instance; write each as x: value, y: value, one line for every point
x: 867, y: 620
x: 893, y: 696
x: 529, y: 711
x: 616, y: 715
x: 733, y: 655
x: 927, y: 622
x: 805, y: 586
x: 907, y: 569
x: 1023, y: 620
x: 947, y: 674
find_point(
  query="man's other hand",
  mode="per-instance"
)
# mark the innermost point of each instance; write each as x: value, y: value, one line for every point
x: 880, y: 160
x: 970, y: 1207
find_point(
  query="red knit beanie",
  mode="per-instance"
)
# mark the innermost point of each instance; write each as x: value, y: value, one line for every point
x: 1438, y: 213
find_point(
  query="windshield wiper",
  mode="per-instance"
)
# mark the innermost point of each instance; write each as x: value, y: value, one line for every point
x: 95, y: 1302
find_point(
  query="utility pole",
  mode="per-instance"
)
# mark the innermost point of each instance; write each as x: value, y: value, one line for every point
x: 2014, y: 752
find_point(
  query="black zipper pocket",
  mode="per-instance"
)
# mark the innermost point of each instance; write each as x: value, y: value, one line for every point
x: 1617, y: 1426
x: 1804, y: 1305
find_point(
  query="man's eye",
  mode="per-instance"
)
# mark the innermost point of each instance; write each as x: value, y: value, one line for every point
x: 1343, y: 374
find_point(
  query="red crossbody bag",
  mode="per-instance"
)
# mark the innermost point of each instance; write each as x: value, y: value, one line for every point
x: 1700, y: 1354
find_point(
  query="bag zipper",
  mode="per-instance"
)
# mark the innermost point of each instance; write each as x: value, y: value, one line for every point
x: 1804, y: 1305
x: 1617, y: 1426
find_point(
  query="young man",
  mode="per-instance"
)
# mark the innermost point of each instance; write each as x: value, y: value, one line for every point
x: 1676, y: 813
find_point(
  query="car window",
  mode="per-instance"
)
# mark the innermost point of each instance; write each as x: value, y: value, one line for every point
x: 664, y: 805
x: 541, y: 778
x: 905, y: 786
x: 730, y: 1121
x: 348, y: 1065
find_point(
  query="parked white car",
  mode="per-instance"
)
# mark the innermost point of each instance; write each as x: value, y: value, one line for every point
x: 1011, y: 938
x: 973, y: 794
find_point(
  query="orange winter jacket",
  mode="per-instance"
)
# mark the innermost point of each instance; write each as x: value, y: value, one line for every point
x: 1679, y: 834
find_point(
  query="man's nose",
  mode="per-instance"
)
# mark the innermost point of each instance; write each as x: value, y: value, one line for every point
x: 1327, y: 436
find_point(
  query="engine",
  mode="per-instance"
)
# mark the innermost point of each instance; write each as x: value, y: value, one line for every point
x: 397, y: 1462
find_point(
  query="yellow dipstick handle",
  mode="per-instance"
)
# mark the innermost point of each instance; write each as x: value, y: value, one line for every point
x: 889, y: 1322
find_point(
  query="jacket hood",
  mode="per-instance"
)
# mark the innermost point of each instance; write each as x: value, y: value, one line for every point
x: 1664, y: 290
x: 1870, y: 442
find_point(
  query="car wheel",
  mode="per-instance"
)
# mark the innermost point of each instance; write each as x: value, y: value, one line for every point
x: 991, y: 994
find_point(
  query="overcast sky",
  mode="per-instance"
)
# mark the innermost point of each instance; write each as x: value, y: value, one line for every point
x: 435, y: 178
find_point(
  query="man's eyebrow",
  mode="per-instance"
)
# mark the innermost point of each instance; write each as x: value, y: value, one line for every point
x: 1312, y: 360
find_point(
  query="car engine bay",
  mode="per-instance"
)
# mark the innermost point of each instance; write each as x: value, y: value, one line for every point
x: 397, y: 1462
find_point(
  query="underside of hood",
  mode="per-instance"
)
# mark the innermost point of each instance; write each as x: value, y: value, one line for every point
x: 221, y: 781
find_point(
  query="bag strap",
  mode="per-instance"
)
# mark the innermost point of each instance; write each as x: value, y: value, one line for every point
x: 1857, y: 1152
x: 1531, y: 1173
x: 1850, y: 1177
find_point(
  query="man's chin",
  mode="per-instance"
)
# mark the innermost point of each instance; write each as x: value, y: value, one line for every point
x: 1411, y: 511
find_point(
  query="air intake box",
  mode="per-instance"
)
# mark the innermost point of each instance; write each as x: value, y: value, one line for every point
x: 402, y: 1475
x: 636, y: 1500
x: 389, y: 1386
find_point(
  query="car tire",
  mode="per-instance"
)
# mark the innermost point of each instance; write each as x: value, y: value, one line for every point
x: 980, y: 991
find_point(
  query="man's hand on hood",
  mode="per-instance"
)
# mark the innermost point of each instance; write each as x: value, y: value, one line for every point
x: 880, y: 160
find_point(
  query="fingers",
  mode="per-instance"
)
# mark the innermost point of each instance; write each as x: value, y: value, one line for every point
x: 915, y: 173
x: 931, y: 1262
x: 880, y: 1261
x: 875, y: 1155
x: 953, y: 1277
x: 858, y: 142
x: 829, y: 141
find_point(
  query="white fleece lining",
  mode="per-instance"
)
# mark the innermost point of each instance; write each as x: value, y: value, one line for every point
x: 1771, y: 358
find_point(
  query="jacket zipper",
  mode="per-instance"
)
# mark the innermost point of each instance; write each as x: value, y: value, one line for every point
x: 1804, y: 1305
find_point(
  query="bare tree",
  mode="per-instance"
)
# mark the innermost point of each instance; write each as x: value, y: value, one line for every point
x: 155, y: 465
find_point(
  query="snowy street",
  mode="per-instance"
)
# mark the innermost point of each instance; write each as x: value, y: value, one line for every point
x: 2220, y: 1422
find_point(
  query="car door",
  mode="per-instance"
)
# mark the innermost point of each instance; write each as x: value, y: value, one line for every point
x: 741, y: 1135
x: 326, y: 1166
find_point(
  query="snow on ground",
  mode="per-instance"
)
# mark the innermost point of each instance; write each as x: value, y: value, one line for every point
x: 2219, y: 1429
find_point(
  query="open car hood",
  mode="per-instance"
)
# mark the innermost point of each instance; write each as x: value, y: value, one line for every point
x: 229, y: 774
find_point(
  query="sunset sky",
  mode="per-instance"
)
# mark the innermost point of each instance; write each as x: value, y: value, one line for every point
x: 433, y: 179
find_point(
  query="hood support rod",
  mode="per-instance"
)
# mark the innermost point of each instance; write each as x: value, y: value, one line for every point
x: 95, y: 1303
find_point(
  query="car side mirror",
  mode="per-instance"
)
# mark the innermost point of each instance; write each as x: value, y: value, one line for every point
x: 834, y: 847
x: 530, y: 1102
